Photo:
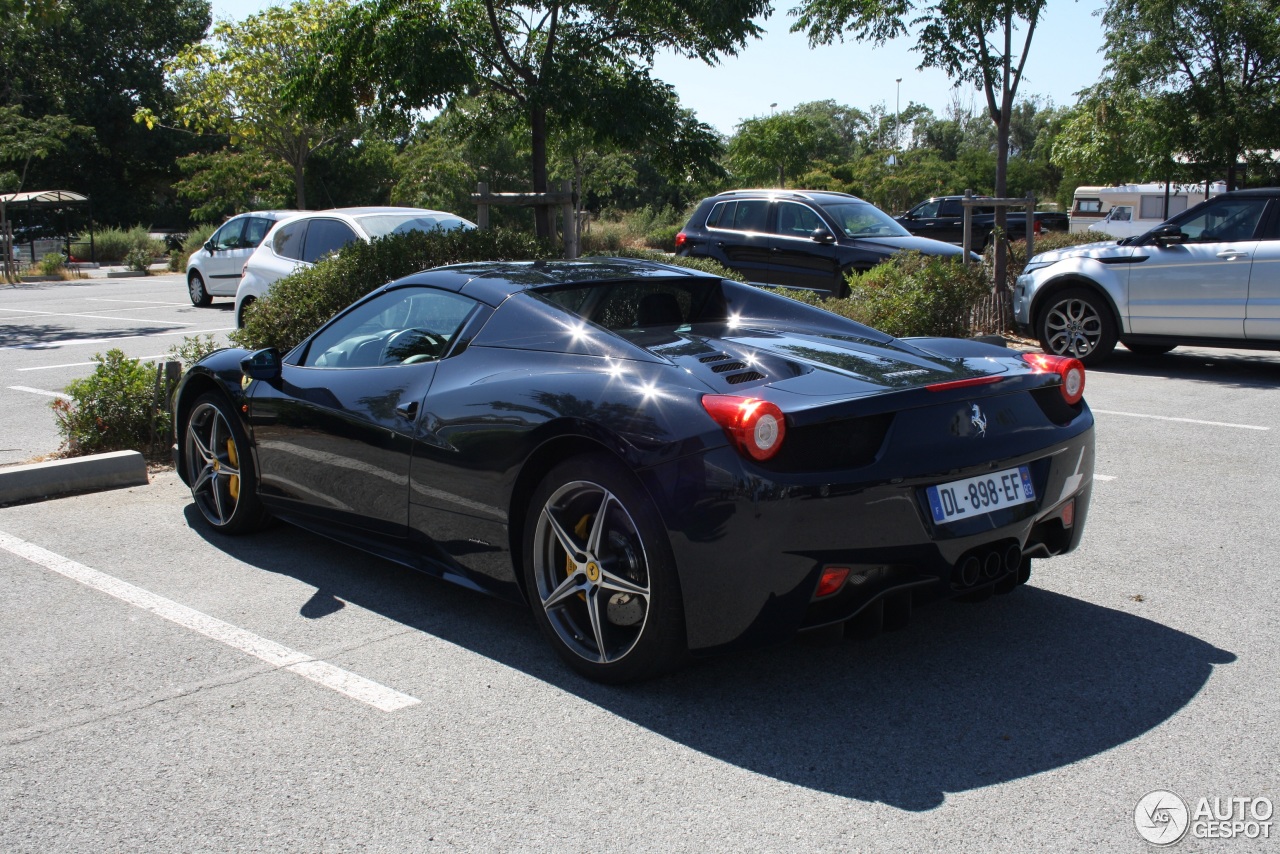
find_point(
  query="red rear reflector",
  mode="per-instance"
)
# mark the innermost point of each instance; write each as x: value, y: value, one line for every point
x: 757, y: 427
x: 1070, y: 370
x: 964, y: 383
x: 1068, y: 514
x: 681, y: 240
x: 833, y: 578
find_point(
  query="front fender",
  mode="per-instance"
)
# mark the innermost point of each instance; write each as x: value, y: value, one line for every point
x: 1110, y: 279
x: 218, y: 372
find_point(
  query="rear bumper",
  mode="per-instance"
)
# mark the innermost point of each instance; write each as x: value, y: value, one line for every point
x: 750, y: 545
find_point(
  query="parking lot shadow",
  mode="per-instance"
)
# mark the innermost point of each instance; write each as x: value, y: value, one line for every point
x: 966, y: 696
x: 1239, y: 369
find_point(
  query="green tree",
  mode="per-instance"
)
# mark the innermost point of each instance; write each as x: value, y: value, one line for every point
x: 232, y: 83
x: 558, y: 64
x: 973, y: 41
x: 1212, y: 66
x: 227, y: 182
x: 766, y: 150
x: 95, y: 62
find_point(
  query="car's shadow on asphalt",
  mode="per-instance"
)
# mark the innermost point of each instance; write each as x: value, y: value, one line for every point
x: 966, y: 696
x: 1232, y: 369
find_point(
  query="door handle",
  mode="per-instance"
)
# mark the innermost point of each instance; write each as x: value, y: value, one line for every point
x: 408, y: 411
x: 1232, y: 254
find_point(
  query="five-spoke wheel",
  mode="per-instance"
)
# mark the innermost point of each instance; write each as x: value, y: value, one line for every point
x: 218, y: 467
x: 599, y: 573
x: 1078, y: 323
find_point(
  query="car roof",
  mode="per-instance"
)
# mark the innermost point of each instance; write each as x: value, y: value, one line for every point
x: 493, y: 281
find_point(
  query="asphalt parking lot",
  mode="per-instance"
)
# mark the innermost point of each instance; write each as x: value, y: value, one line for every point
x: 166, y: 688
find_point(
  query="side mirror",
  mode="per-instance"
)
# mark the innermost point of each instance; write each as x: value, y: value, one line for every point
x: 262, y: 365
x: 1163, y: 235
x: 208, y: 246
x: 821, y: 235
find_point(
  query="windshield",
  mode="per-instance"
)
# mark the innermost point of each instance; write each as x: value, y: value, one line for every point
x: 380, y: 225
x: 859, y: 219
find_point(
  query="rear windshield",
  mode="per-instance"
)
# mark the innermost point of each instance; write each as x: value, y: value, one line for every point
x: 380, y: 225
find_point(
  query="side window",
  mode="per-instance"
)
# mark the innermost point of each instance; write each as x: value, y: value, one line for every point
x: 254, y: 230
x: 713, y: 219
x: 1225, y: 221
x: 797, y: 220
x: 1088, y: 205
x: 228, y: 237
x: 288, y: 241
x: 324, y: 237
x: 1120, y: 213
x: 926, y: 210
x: 750, y: 215
x: 401, y: 327
x: 950, y: 207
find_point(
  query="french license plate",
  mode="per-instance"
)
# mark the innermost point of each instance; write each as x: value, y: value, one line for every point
x: 975, y: 496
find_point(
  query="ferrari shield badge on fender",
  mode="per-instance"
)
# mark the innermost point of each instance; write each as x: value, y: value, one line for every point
x: 978, y: 420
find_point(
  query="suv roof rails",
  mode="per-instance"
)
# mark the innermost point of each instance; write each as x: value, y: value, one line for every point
x: 794, y: 194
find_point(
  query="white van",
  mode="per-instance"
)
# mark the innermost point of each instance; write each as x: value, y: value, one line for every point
x: 1132, y: 209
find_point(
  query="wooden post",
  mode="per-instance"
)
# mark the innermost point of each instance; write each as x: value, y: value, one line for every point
x: 482, y: 208
x: 570, y: 223
x: 967, y: 240
x: 1031, y: 224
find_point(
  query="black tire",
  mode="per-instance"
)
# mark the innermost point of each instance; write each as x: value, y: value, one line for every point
x: 1148, y: 349
x: 197, y: 291
x: 840, y: 290
x: 244, y: 311
x: 219, y: 467
x: 600, y: 575
x: 1077, y: 322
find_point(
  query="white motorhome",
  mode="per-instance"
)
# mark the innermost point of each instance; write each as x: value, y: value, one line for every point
x: 1132, y: 209
x: 1086, y: 208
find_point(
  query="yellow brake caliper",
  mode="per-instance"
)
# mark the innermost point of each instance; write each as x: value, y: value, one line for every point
x: 233, y: 483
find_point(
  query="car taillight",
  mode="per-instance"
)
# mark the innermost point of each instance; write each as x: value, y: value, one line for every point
x: 1071, y: 371
x: 1035, y: 227
x: 756, y: 427
x: 681, y: 240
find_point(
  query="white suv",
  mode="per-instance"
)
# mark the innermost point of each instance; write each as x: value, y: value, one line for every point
x: 214, y: 269
x: 302, y: 240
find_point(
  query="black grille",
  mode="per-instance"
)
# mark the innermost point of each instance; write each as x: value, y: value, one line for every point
x: 725, y: 367
x: 744, y: 377
x: 715, y: 357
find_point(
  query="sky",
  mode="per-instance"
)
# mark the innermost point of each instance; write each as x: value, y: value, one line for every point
x: 780, y: 70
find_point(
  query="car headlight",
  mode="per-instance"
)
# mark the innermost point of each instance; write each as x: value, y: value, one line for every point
x: 1035, y: 265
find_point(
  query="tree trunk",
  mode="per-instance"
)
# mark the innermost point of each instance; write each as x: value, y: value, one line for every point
x: 299, y: 182
x: 538, y: 126
x: 1002, y: 191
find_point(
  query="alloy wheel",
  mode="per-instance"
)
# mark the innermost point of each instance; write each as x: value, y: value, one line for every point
x: 591, y: 572
x: 213, y: 464
x: 1073, y: 328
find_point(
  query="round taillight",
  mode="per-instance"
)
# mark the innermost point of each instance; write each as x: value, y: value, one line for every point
x: 1070, y: 370
x: 681, y: 240
x: 756, y: 427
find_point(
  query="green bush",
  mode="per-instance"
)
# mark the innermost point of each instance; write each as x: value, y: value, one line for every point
x: 112, y: 245
x: 111, y: 409
x: 53, y: 264
x: 663, y: 238
x: 138, y: 260
x: 298, y: 304
x: 706, y: 265
x: 194, y: 348
x: 910, y: 295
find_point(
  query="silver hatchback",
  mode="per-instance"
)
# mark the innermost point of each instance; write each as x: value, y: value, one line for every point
x: 1209, y: 276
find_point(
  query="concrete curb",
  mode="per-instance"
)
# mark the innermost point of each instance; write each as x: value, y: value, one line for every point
x: 80, y: 474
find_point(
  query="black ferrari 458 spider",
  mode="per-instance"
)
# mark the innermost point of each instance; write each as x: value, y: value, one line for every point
x: 659, y: 461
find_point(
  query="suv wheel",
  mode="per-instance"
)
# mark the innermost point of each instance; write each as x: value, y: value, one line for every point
x: 1077, y: 323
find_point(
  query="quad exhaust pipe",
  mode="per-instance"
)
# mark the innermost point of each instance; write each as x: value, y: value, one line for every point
x: 987, y: 564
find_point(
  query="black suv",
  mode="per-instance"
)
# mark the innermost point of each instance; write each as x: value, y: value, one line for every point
x: 798, y: 238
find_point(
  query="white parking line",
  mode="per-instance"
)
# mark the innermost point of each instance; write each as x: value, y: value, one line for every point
x: 25, y: 313
x: 40, y: 391
x: 1182, y: 420
x: 82, y: 364
x: 343, y: 681
x: 1104, y: 477
x: 67, y: 342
